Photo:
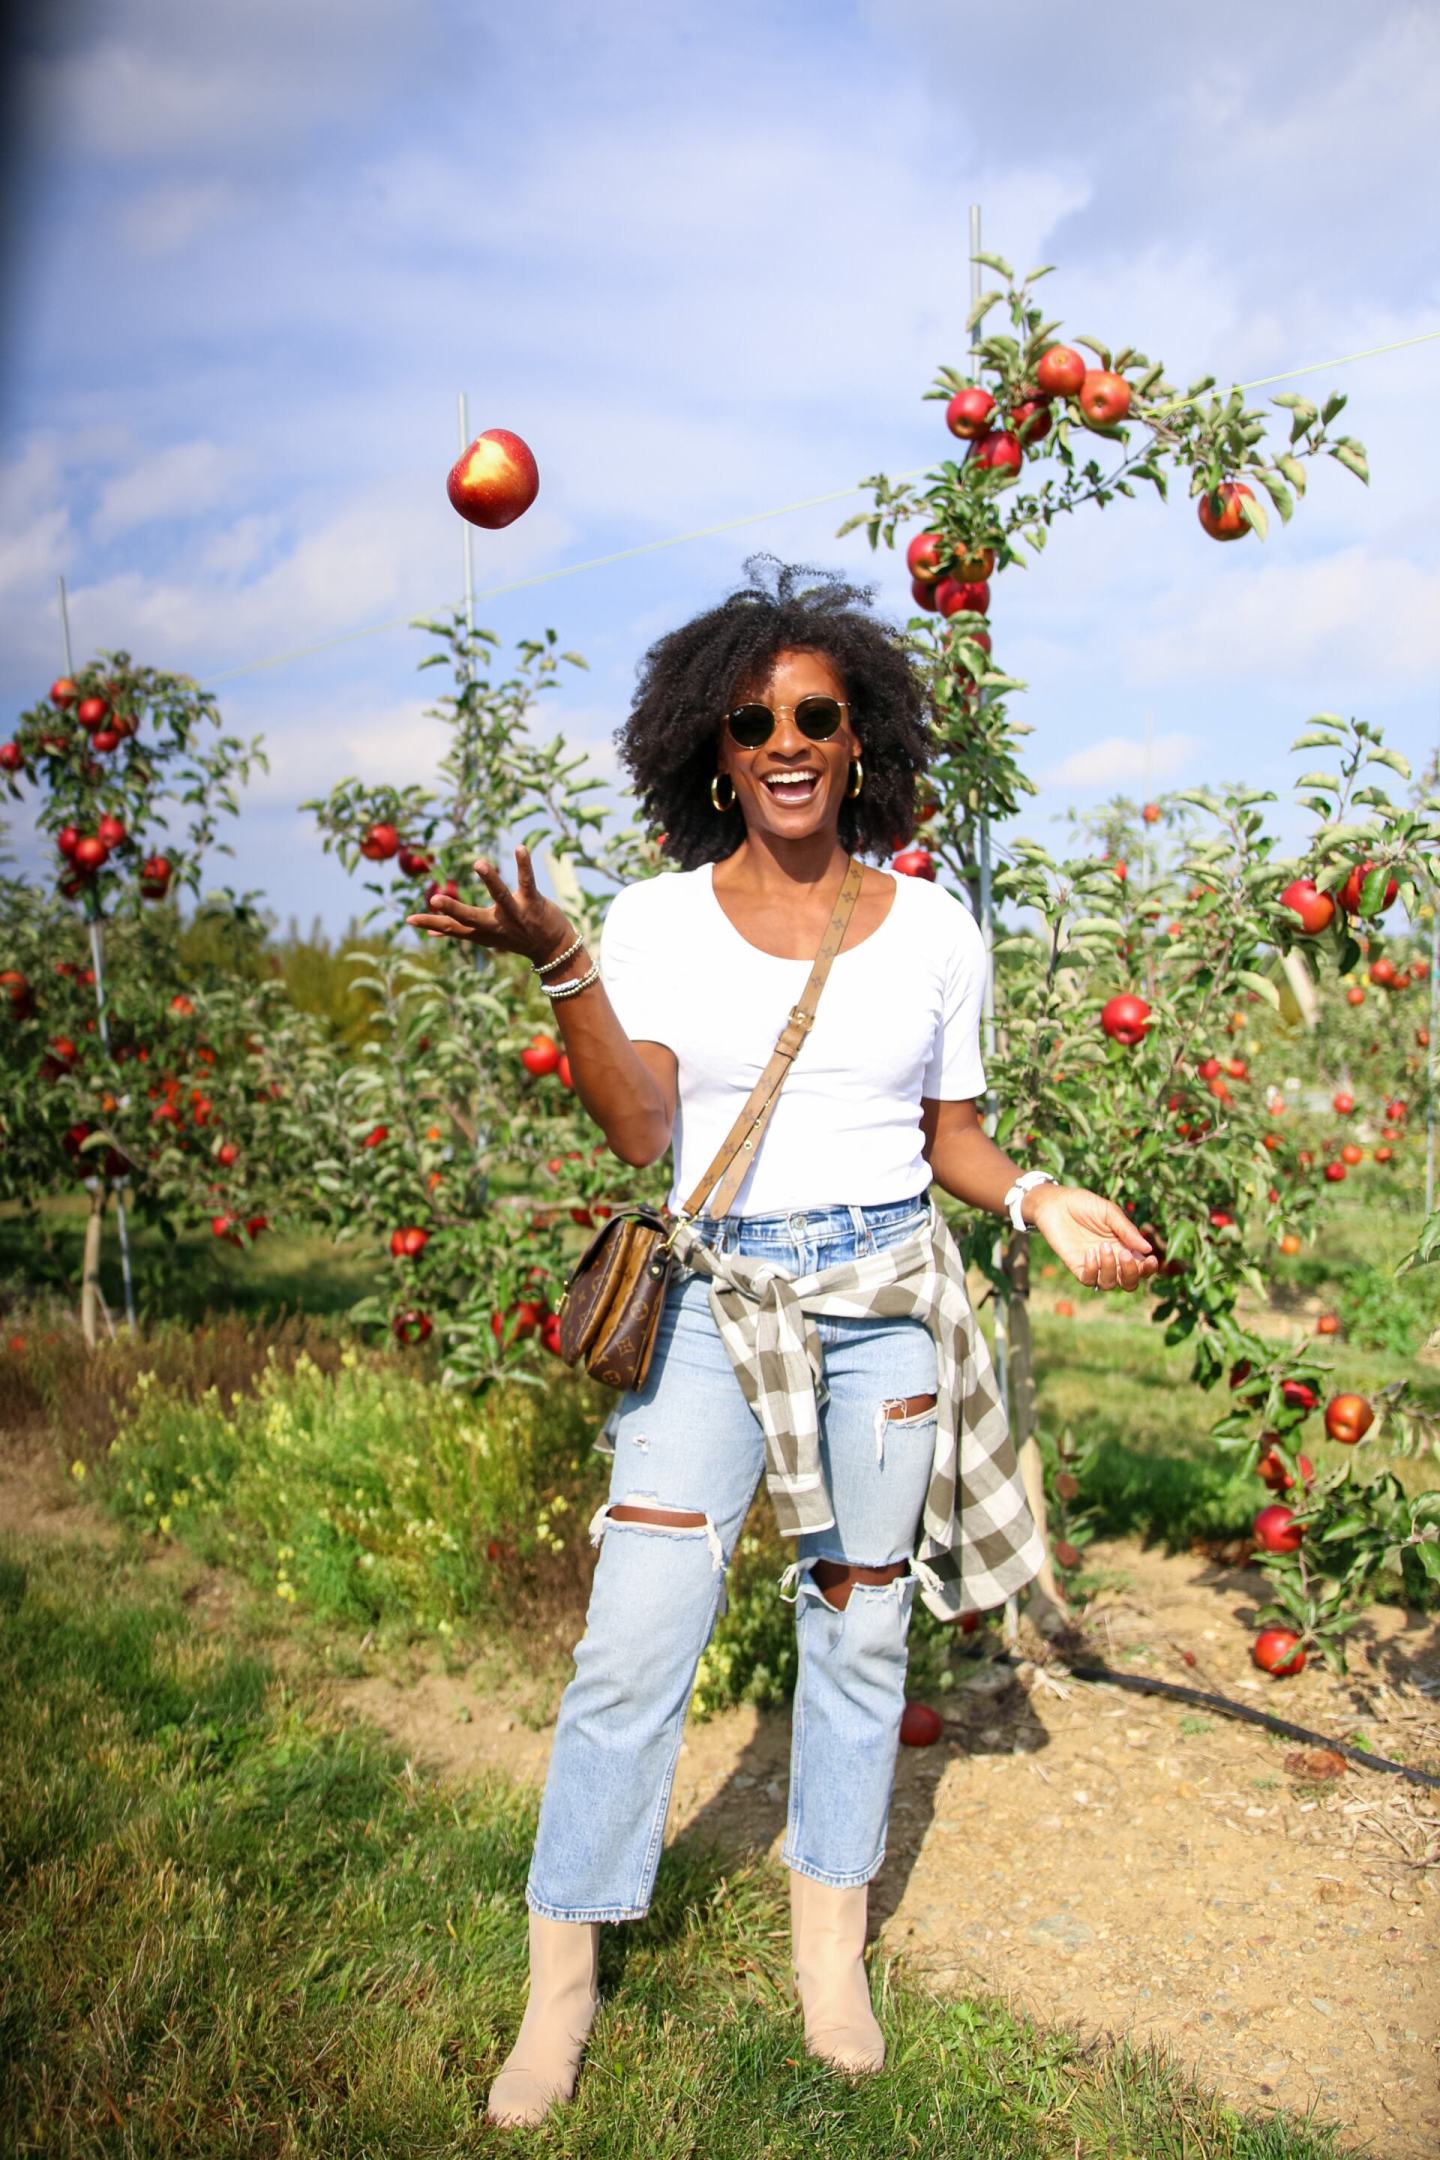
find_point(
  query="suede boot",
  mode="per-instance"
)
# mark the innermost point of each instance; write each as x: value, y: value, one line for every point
x: 541, y: 2067
x: 828, y: 1937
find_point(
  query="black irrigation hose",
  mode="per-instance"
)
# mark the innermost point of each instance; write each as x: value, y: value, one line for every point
x: 1141, y: 1685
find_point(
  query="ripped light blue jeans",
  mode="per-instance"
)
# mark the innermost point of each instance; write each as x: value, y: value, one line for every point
x: 688, y: 1441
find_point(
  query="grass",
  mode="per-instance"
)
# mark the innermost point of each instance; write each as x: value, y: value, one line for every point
x: 194, y: 1274
x: 231, y: 1922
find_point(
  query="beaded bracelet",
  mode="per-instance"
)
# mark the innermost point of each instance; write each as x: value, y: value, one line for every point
x: 564, y: 990
x: 560, y: 958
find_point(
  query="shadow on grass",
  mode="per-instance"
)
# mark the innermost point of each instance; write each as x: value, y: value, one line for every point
x: 185, y: 1277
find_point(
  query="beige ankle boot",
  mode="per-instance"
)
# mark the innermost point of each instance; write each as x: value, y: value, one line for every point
x: 541, y: 2067
x: 828, y: 1937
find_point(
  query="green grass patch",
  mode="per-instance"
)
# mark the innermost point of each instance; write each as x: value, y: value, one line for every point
x: 230, y: 1924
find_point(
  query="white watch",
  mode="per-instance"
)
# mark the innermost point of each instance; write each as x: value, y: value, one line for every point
x: 1023, y: 1184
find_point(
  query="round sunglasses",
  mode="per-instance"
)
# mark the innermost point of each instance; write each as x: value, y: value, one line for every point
x: 817, y: 718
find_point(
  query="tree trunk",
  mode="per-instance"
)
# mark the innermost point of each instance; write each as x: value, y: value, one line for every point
x: 91, y: 1301
x: 1047, y: 1606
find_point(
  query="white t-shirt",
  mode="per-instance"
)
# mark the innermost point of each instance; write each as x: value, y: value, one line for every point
x: 898, y: 1019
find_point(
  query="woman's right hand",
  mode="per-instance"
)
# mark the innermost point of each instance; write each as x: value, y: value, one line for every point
x: 522, y: 921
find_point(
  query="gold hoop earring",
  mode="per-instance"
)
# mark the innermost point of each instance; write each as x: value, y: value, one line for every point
x: 715, y: 780
x: 857, y: 777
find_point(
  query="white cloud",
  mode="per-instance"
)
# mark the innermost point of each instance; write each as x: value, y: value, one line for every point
x: 165, y: 77
x: 1351, y: 614
x: 1119, y: 758
x: 179, y: 482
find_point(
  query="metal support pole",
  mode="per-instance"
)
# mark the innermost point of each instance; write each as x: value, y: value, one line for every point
x: 1433, y: 1056
x: 987, y: 898
x: 465, y: 527
x: 97, y: 962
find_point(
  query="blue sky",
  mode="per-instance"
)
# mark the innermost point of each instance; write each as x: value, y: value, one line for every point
x: 705, y: 260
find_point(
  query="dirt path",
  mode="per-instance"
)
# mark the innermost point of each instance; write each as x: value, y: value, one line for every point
x: 1105, y: 1860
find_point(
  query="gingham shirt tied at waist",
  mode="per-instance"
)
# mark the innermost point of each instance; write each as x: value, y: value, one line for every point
x: 978, y: 1543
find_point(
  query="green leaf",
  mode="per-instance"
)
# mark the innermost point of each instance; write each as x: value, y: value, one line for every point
x: 1314, y: 740
x: 1334, y: 405
x: 1353, y: 462
x: 981, y: 308
x: 1319, y: 779
x: 1095, y: 346
x: 1261, y: 984
x: 996, y: 262
x: 1397, y: 764
x: 1279, y: 494
x: 1293, y: 470
x: 1032, y: 277
x: 1372, y: 891
x: 1254, y: 513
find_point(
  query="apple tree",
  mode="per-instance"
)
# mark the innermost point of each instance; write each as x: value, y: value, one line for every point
x: 453, y: 1137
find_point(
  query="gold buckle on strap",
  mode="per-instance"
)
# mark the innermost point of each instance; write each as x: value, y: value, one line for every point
x: 801, y: 1019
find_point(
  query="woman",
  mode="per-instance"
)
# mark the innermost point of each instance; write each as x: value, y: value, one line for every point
x: 818, y: 1329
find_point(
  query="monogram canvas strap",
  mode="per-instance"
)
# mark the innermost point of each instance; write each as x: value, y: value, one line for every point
x: 737, y: 1151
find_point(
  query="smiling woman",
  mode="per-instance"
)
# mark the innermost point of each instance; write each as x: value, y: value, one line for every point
x: 820, y: 1333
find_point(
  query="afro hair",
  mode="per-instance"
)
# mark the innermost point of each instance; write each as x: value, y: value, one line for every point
x: 690, y: 678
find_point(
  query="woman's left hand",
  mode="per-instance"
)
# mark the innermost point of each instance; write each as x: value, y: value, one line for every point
x: 1096, y: 1240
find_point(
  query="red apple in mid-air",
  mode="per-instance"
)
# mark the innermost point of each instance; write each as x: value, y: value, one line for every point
x: 63, y: 692
x: 925, y: 557
x: 1316, y: 910
x: 1104, y: 398
x: 550, y: 1333
x: 1030, y: 420
x: 1298, y: 1395
x: 1352, y: 1154
x: 1125, y: 1019
x: 379, y: 843
x: 923, y: 591
x: 999, y: 451
x: 920, y: 1726
x: 1277, y: 1650
x: 1349, y: 895
x: 112, y: 831
x: 1151, y: 813
x: 90, y: 853
x: 1355, y: 995
x: 915, y: 862
x: 1276, y: 1529
x: 413, y: 863
x: 495, y: 480
x: 1220, y: 513
x: 1342, y: 1103
x: 1382, y: 972
x: 1348, y: 1418
x: 1060, y: 371
x: 405, y: 1244
x: 1335, y: 1173
x: 12, y: 757
x: 92, y: 712
x: 155, y: 875
x: 969, y: 412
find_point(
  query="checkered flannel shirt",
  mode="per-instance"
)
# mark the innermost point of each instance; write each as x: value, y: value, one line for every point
x: 979, y: 1542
